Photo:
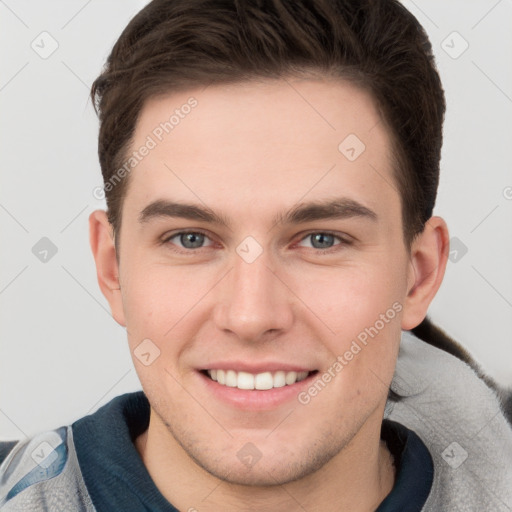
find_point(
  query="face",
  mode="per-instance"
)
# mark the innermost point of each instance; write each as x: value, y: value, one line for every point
x: 264, y: 289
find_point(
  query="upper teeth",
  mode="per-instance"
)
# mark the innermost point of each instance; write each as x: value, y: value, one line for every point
x: 265, y: 380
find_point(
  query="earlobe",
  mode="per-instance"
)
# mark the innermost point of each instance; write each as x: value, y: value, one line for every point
x: 429, y: 256
x: 103, y: 248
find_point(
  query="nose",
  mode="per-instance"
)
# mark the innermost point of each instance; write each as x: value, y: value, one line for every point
x: 254, y: 301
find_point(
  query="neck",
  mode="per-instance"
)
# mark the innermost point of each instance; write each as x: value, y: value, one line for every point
x: 357, y: 479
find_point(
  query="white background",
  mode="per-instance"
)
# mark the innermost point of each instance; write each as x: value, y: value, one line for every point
x: 62, y: 355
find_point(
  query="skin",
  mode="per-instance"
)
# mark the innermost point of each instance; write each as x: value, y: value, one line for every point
x: 249, y: 151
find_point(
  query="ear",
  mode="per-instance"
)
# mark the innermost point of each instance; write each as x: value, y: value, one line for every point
x: 429, y: 255
x: 101, y: 239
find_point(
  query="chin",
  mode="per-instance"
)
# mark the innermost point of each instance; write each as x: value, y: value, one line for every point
x: 243, y: 463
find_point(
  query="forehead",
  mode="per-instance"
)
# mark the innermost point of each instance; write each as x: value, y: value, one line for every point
x: 262, y: 139
x: 250, y: 112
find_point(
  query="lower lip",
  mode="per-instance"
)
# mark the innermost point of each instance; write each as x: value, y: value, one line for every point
x: 255, y: 399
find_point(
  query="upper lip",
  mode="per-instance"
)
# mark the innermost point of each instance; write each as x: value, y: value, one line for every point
x: 270, y: 366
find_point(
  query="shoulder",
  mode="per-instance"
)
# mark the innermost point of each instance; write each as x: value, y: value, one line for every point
x: 460, y: 420
x: 42, y: 470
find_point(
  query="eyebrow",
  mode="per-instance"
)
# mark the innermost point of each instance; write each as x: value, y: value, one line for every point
x: 339, y: 208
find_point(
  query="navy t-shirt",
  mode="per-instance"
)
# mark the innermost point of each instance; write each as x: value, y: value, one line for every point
x: 117, y: 479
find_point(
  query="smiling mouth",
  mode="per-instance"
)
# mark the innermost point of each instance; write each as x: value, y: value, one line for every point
x: 260, y: 381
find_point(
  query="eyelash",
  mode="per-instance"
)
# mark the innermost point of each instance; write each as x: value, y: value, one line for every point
x: 343, y: 241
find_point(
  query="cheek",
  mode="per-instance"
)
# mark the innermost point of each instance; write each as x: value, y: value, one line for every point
x: 156, y: 296
x: 165, y: 305
x: 348, y: 299
x: 361, y: 308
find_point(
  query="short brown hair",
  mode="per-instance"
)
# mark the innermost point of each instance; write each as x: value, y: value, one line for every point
x: 173, y: 45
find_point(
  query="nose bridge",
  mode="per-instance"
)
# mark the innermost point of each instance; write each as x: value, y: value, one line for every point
x: 253, y: 300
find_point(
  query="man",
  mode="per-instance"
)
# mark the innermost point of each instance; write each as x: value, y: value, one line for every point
x: 270, y: 170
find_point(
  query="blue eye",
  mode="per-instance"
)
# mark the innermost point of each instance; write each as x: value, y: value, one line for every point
x: 189, y: 239
x: 323, y: 241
